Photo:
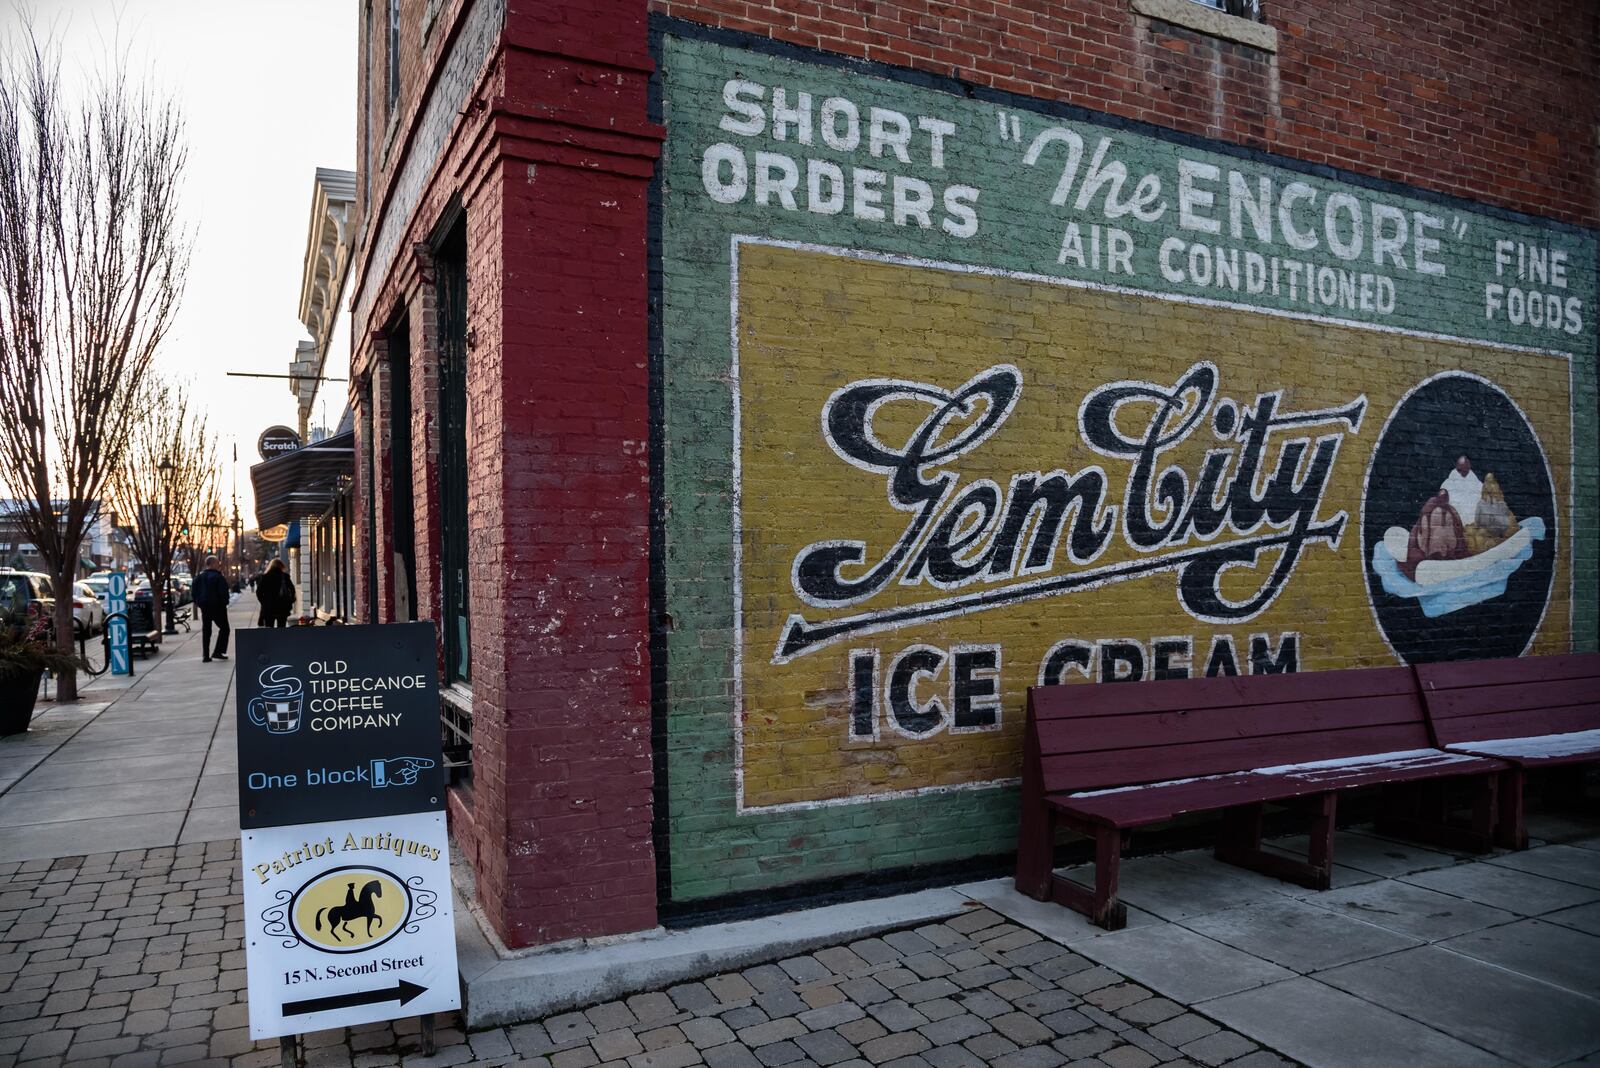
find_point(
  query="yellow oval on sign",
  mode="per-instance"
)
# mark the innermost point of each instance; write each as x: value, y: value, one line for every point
x: 350, y: 909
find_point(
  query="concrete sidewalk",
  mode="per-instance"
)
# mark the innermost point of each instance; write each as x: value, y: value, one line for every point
x: 133, y: 958
x: 121, y: 927
x: 1415, y: 957
x: 140, y: 762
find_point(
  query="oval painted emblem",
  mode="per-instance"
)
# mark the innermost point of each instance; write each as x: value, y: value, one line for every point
x: 347, y: 910
x: 1459, y: 528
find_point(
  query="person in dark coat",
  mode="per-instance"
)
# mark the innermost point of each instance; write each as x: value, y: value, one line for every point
x: 210, y: 593
x: 275, y: 591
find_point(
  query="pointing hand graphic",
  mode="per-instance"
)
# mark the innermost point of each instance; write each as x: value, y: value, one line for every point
x: 398, y: 771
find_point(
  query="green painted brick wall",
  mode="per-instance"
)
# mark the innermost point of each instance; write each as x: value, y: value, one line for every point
x: 999, y: 222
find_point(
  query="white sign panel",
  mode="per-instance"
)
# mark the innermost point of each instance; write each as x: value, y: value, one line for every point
x: 348, y: 921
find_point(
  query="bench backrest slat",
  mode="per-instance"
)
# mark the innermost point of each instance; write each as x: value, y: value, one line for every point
x: 1479, y: 700
x: 1077, y: 701
x: 1096, y: 736
x: 1452, y: 674
x: 1190, y: 727
x: 1096, y: 770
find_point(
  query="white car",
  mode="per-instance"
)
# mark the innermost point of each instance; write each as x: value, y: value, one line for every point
x: 87, y: 609
x: 101, y: 585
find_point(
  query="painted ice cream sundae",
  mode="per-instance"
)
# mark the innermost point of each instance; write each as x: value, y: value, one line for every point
x: 1463, y: 547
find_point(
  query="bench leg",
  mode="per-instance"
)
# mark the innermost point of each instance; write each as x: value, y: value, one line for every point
x: 1100, y: 904
x: 1239, y: 840
x: 1511, y: 829
x: 1420, y: 812
x: 1322, y: 827
x: 1485, y: 809
x: 1241, y: 833
x: 1240, y: 845
x: 1036, y: 850
x: 1108, y: 911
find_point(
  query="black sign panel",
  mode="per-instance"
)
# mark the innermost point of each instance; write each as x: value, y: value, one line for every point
x: 275, y: 441
x: 338, y: 723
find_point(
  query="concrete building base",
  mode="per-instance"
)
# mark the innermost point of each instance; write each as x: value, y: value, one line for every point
x: 502, y: 987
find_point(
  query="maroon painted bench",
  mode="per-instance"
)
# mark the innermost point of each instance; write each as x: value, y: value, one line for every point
x: 1531, y: 712
x: 1104, y: 759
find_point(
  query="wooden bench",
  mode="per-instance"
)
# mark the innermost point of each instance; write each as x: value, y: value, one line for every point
x: 143, y: 635
x: 1531, y: 712
x: 1104, y: 759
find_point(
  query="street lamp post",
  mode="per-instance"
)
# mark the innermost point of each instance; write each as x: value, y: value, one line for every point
x: 166, y: 469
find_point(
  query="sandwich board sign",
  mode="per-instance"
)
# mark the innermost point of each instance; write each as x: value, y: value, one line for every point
x: 346, y: 858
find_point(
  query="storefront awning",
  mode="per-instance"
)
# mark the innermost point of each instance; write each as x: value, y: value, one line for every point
x: 304, y: 482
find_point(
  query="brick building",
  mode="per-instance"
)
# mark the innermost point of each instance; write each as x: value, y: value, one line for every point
x: 761, y: 395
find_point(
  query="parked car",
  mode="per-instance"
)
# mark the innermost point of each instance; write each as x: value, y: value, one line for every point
x: 181, y: 593
x: 87, y: 609
x: 25, y: 592
x: 100, y: 585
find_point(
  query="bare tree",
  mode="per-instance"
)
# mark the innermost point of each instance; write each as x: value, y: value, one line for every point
x: 92, y: 264
x: 168, y: 481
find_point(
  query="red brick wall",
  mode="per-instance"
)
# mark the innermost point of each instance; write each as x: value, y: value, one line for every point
x: 1484, y: 99
x: 550, y: 159
x: 380, y: 152
x: 573, y: 599
x: 561, y: 482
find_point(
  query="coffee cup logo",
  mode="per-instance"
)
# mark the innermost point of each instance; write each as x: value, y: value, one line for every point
x: 278, y: 707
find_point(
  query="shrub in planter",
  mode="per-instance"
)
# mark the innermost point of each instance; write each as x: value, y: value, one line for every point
x: 26, y: 652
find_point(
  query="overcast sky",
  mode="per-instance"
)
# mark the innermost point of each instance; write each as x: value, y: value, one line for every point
x: 268, y: 89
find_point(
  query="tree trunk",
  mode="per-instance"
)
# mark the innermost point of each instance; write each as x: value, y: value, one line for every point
x: 67, y: 681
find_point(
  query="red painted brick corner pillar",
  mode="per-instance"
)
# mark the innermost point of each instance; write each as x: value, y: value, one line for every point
x: 559, y: 818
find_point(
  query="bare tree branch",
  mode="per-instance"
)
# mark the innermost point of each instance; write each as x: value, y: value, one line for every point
x: 93, y: 255
x: 169, y: 478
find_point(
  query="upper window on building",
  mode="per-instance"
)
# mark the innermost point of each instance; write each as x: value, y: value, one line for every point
x: 394, y: 54
x: 1249, y: 9
x: 1230, y: 20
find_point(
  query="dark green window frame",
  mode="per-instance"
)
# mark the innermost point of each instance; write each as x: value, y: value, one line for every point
x: 455, y: 610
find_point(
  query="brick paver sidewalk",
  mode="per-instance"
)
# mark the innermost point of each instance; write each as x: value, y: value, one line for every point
x: 134, y: 958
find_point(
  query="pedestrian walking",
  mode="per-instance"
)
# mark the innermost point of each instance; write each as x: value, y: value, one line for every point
x: 210, y: 593
x: 275, y: 591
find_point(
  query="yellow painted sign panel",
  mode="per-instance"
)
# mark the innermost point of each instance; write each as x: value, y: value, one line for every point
x: 954, y: 483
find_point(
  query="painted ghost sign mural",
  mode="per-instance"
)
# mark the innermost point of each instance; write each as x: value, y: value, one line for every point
x: 1087, y: 486
x: 960, y: 396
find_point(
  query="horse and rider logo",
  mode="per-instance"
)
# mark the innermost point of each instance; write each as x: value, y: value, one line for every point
x: 350, y: 909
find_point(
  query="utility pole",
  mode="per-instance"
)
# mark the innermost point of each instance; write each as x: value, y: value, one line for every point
x: 168, y: 602
x: 238, y: 547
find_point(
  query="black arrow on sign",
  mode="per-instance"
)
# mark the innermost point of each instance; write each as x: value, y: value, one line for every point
x: 401, y: 992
